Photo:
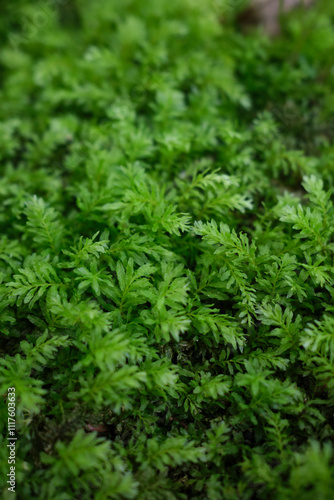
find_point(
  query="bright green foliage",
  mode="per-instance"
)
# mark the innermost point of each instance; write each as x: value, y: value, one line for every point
x: 166, y: 251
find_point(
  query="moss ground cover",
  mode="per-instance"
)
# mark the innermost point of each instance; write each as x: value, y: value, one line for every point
x: 166, y: 251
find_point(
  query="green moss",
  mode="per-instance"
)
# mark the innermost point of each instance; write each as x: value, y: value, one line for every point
x: 166, y: 251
